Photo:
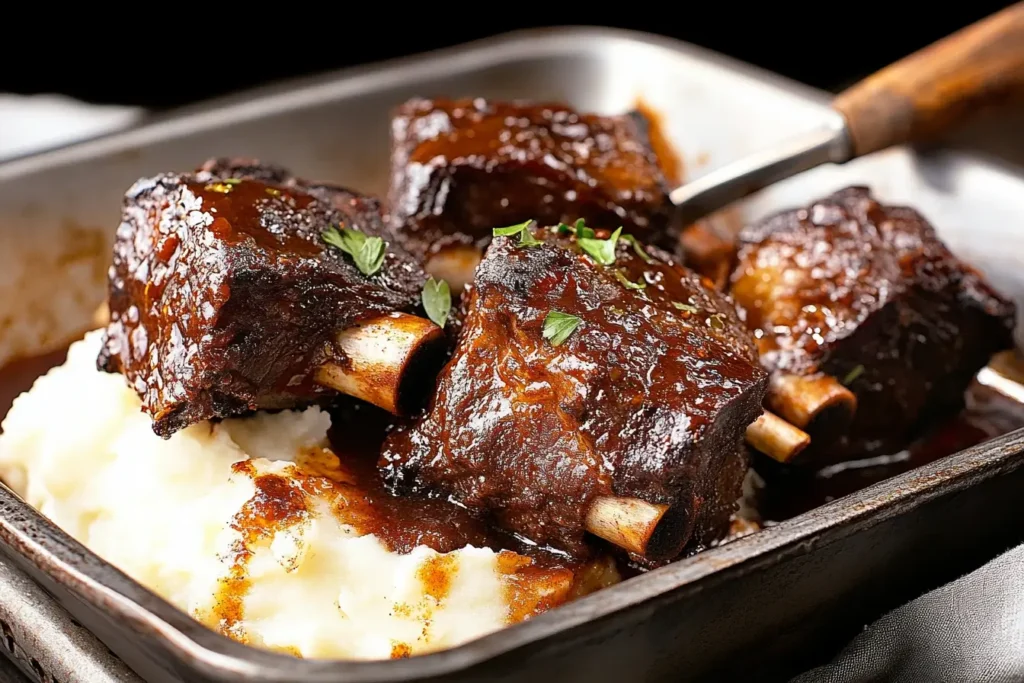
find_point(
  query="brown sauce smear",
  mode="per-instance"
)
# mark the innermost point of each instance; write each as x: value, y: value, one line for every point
x: 401, y: 651
x: 533, y: 579
x: 436, y: 575
x: 346, y: 476
x: 278, y: 504
x: 531, y: 589
x: 403, y: 523
x: 669, y: 159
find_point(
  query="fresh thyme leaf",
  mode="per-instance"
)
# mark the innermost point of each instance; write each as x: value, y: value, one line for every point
x: 437, y: 300
x: 558, y: 326
x: 685, y: 307
x: 602, y: 251
x: 526, y: 238
x: 511, y: 230
x: 853, y: 374
x: 579, y: 228
x: 620, y: 276
x: 367, y: 252
x: 637, y: 247
x: 716, y: 322
x: 343, y: 239
x: 371, y: 256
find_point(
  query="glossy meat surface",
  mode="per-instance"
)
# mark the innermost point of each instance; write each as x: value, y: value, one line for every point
x: 649, y: 397
x: 224, y: 298
x: 867, y: 293
x: 462, y: 167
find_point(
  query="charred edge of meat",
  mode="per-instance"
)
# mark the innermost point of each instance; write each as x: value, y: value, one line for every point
x: 886, y: 304
x: 230, y: 264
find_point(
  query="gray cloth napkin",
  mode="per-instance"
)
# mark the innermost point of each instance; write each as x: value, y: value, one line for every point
x: 32, y: 124
x: 969, y: 631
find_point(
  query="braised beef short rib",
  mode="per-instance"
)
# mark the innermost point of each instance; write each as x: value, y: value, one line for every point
x: 867, y: 293
x: 224, y: 297
x: 462, y: 167
x: 649, y: 396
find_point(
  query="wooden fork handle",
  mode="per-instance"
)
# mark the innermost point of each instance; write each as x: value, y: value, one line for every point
x: 933, y: 90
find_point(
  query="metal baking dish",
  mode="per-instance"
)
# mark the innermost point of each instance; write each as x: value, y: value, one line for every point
x: 764, y: 605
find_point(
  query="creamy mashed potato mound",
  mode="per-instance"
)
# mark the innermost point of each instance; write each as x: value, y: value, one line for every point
x: 242, y: 525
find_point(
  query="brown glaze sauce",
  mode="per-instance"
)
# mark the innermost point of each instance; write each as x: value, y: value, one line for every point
x: 670, y: 161
x: 237, y: 209
x: 403, y: 523
x: 278, y: 504
x: 345, y: 475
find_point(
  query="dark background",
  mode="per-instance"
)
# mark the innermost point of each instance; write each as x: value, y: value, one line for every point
x: 181, y: 54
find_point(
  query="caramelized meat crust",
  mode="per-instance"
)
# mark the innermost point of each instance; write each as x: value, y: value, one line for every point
x: 224, y: 298
x: 648, y: 397
x: 867, y: 293
x: 462, y: 167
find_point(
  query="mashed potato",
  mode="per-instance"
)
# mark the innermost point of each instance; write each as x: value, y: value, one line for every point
x: 242, y: 525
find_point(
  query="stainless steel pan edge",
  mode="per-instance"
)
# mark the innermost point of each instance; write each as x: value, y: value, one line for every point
x: 583, y: 639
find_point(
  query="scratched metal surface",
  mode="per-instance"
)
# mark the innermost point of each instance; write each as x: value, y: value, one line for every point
x: 45, y: 643
x: 766, y: 598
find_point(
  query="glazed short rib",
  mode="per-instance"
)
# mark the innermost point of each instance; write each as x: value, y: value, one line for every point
x: 225, y: 298
x: 586, y: 375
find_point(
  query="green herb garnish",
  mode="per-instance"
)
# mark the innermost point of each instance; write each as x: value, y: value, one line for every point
x: 223, y: 188
x: 232, y: 181
x: 578, y: 228
x: 273, y: 192
x: 853, y: 374
x: 637, y: 247
x: 526, y: 238
x: 367, y: 252
x: 621, y: 277
x: 685, y: 307
x: 510, y: 230
x: 437, y: 300
x: 558, y: 326
x: 716, y: 322
x: 602, y: 251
